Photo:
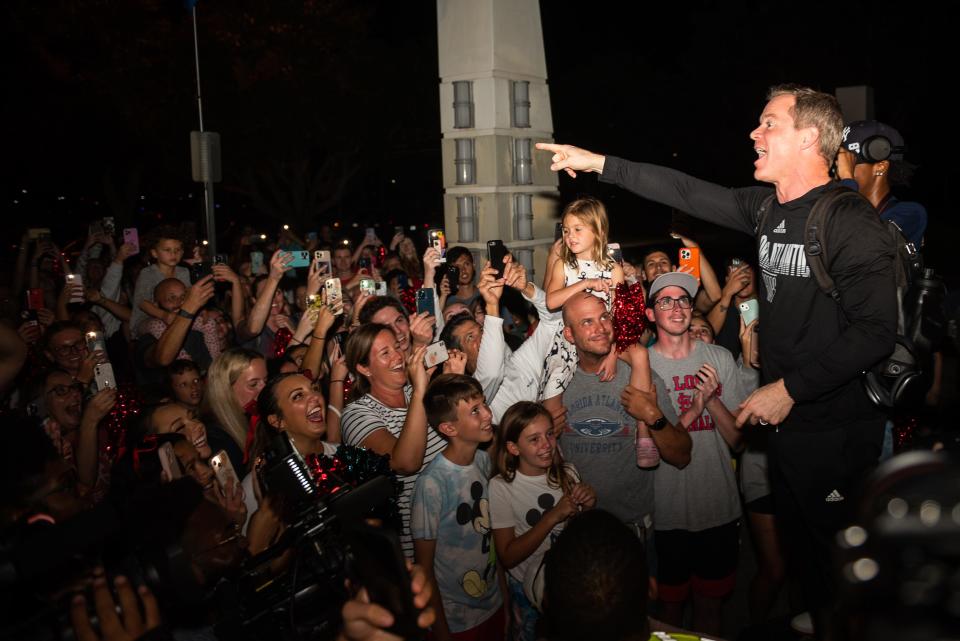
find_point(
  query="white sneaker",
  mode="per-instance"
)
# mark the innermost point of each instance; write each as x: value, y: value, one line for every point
x: 802, y: 623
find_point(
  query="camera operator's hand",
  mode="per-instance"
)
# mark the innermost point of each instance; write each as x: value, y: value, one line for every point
x: 365, y: 621
x: 132, y: 626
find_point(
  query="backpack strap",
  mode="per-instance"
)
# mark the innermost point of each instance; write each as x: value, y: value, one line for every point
x: 814, y: 235
x: 762, y: 212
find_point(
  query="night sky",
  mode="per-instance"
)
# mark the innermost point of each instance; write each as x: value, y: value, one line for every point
x: 332, y: 106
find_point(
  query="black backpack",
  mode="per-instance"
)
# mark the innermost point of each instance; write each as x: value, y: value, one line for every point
x: 903, y: 377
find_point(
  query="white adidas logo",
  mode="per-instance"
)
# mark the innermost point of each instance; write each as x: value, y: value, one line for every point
x: 781, y: 228
x: 834, y: 497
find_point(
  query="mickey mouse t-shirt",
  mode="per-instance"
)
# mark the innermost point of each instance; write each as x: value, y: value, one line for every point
x: 451, y: 507
x: 520, y: 504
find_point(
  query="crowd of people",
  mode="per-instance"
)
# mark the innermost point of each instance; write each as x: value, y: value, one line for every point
x: 547, y: 460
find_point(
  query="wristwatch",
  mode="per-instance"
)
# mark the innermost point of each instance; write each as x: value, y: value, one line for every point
x: 185, y: 314
x: 658, y: 424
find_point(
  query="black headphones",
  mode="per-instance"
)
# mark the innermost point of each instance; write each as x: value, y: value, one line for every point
x: 878, y: 148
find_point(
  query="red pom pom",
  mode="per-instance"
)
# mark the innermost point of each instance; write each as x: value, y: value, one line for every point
x: 115, y: 424
x: 280, y: 341
x: 408, y: 297
x: 629, y: 315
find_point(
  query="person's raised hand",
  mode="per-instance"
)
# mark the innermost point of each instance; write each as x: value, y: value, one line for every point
x: 490, y: 287
x: 456, y: 363
x: 100, y: 405
x: 572, y: 159
x: 198, y: 295
x: 515, y: 275
x: 417, y: 371
x: 280, y: 264
x: 223, y: 273
x: 422, y: 326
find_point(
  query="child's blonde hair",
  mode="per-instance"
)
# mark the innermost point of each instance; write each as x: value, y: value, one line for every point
x: 592, y: 213
x: 515, y: 420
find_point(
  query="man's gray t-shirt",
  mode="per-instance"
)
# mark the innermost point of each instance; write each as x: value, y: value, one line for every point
x: 704, y: 493
x: 601, y: 442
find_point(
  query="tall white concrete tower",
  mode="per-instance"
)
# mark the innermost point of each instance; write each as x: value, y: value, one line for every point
x: 494, y: 107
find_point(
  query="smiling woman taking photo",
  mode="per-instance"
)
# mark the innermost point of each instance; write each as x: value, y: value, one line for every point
x: 386, y: 414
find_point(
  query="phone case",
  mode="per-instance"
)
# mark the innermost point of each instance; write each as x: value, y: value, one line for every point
x: 425, y: 301
x: 438, y: 241
x: 256, y: 263
x: 749, y: 310
x: 103, y: 375
x: 73, y: 280
x: 223, y: 470
x: 690, y: 261
x: 95, y: 342
x: 496, y: 251
x: 199, y: 271
x: 380, y: 288
x: 334, y: 295
x: 436, y: 354
x: 300, y: 259
x: 132, y: 236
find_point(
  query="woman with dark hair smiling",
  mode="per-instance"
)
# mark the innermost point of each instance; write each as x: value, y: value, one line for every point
x: 290, y: 404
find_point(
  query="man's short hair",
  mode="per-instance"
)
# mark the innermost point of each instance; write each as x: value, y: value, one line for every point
x: 57, y: 327
x: 456, y: 253
x: 180, y: 366
x: 654, y: 250
x: 815, y: 109
x: 451, y: 340
x: 444, y: 395
x: 375, y: 304
x: 596, y: 583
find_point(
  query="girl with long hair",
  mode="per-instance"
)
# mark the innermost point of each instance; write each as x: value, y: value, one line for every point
x: 532, y: 494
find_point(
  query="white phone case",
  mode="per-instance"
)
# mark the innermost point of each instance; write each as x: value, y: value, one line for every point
x: 334, y: 295
x: 436, y: 354
x: 103, y: 375
x: 223, y: 470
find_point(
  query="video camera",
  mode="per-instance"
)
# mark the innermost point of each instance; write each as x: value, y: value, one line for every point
x: 325, y: 543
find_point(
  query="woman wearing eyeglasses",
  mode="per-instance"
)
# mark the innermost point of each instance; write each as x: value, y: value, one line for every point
x: 73, y: 429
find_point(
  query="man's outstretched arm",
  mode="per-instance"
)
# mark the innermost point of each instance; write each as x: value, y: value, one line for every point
x: 734, y: 208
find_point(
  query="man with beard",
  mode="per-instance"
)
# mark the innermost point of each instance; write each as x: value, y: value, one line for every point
x: 600, y: 436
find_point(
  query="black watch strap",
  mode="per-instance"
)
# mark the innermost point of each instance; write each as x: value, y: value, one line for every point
x: 659, y: 424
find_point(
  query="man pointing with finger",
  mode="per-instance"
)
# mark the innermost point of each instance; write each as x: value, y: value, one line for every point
x: 813, y: 347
